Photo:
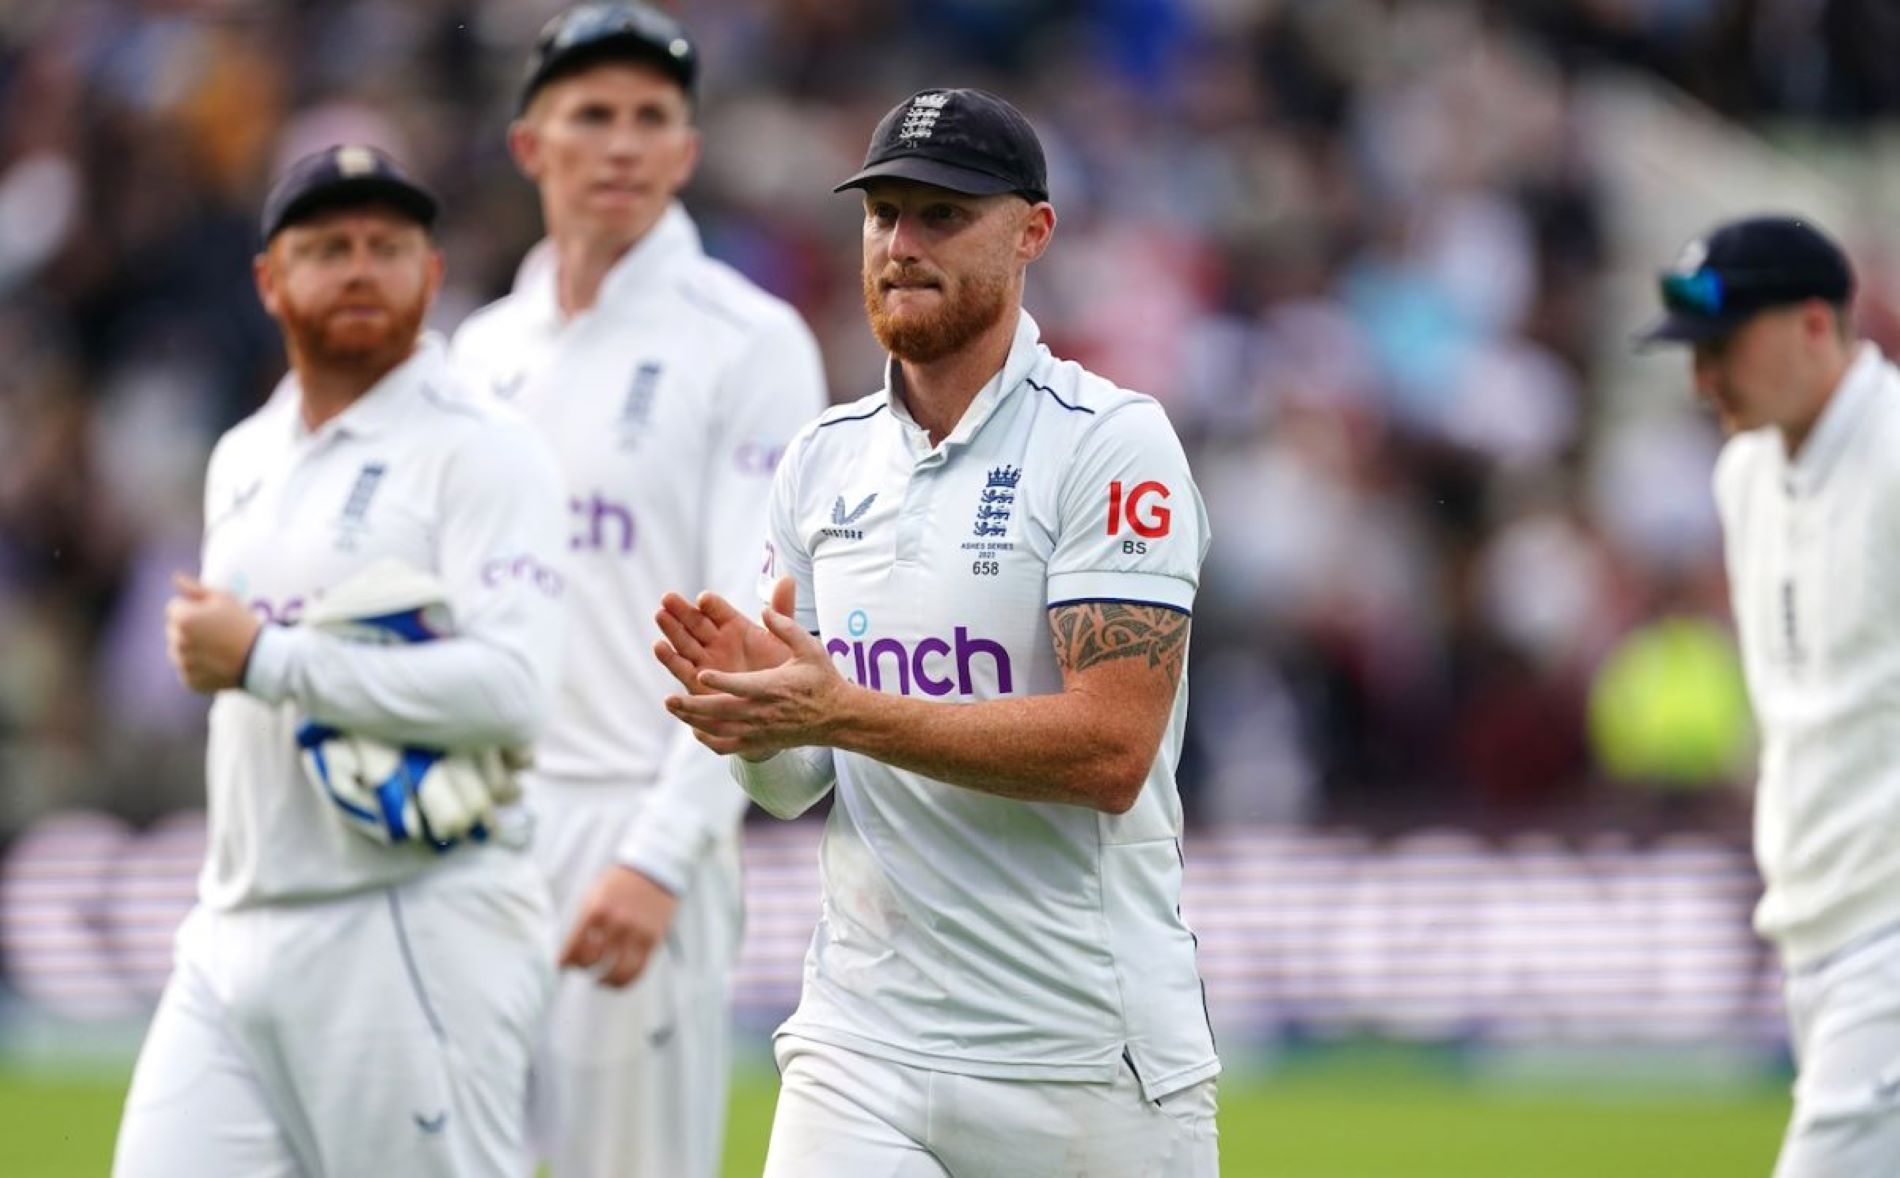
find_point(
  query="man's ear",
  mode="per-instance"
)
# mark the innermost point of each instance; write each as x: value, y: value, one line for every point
x: 264, y: 274
x: 1037, y: 230
x: 524, y: 144
x: 438, y: 266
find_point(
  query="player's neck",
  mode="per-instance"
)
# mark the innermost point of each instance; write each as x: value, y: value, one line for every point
x: 581, y: 265
x: 328, y: 389
x: 1794, y: 434
x: 938, y: 393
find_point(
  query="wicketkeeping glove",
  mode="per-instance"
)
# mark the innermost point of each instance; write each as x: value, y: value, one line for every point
x: 402, y: 793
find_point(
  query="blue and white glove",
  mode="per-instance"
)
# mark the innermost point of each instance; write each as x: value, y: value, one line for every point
x: 401, y: 793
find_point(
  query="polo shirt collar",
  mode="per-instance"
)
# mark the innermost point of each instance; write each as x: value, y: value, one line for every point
x: 1025, y: 352
x: 1839, y: 421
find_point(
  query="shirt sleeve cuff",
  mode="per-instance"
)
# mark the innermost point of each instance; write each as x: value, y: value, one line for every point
x: 663, y: 853
x: 273, y: 652
x: 1134, y: 588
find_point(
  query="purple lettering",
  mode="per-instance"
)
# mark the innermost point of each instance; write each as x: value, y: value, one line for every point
x: 755, y: 459
x: 968, y: 648
x: 885, y: 646
x: 600, y: 523
x: 605, y: 512
x: 930, y: 685
x: 522, y: 568
x: 870, y: 665
x: 287, y: 614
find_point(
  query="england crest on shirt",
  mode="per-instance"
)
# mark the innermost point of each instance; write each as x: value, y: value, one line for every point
x: 995, y: 504
x: 637, y: 410
x: 355, y: 516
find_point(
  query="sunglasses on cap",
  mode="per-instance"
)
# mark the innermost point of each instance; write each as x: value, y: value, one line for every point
x: 592, y: 23
x: 1715, y: 293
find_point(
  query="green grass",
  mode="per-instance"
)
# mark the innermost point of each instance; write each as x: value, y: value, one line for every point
x: 1311, y: 1124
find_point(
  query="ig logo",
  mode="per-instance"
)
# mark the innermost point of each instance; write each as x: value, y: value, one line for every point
x: 1151, y: 524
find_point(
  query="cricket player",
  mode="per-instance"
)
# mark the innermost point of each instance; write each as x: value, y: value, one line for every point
x: 339, y: 1005
x: 1001, y: 982
x: 669, y: 386
x: 1808, y: 486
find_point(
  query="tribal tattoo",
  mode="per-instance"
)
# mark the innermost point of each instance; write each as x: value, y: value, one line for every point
x: 1093, y: 632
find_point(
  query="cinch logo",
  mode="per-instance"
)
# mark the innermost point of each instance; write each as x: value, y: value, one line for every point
x: 1155, y: 522
x: 600, y: 525
x: 271, y: 614
x: 759, y: 459
x: 523, y: 568
x: 927, y: 665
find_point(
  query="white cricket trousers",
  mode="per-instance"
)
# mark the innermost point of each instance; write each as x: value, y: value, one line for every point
x: 1844, y: 1019
x: 385, y: 1032
x: 632, y: 1083
x: 844, y: 1114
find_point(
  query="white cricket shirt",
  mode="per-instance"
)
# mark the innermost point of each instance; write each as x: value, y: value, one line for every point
x: 668, y: 404
x: 961, y: 931
x: 1813, y: 555
x: 417, y: 469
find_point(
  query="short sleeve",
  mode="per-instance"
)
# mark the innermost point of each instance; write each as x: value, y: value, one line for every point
x: 1130, y: 522
x: 785, y: 553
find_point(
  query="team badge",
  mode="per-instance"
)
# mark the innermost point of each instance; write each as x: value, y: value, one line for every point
x: 995, y: 504
x: 636, y: 412
x: 355, y: 517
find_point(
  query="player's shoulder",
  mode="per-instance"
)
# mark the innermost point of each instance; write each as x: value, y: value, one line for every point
x: 1082, y: 409
x: 1745, y: 458
x: 725, y: 298
x: 451, y: 410
x: 252, y: 437
x: 839, y: 434
x: 491, y: 334
x: 1884, y: 406
x: 842, y: 427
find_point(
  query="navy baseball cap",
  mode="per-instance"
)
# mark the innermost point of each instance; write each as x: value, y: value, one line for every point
x: 1744, y: 267
x: 968, y: 141
x: 338, y: 177
x: 591, y: 33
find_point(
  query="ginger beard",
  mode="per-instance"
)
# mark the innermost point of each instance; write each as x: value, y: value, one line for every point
x: 966, y: 308
x: 338, y: 336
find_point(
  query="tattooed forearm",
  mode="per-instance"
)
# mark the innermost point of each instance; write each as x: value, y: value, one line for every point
x: 1093, y: 632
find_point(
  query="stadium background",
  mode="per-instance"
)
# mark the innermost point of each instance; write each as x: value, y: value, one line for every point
x: 1468, y: 756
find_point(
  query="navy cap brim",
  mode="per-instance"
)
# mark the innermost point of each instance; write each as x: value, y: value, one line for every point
x: 353, y: 191
x: 1687, y: 329
x: 968, y: 181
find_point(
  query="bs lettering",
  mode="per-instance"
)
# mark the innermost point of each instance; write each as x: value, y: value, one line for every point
x: 1128, y: 510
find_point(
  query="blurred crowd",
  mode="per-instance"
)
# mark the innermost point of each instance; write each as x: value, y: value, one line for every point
x: 1355, y: 246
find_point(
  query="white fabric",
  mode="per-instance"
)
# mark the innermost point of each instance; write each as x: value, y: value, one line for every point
x: 384, y: 1032
x: 1813, y: 554
x: 842, y: 1114
x: 633, y: 1082
x: 1845, y: 1022
x: 787, y: 783
x: 416, y: 471
x: 390, y: 792
x: 668, y: 403
x: 963, y: 931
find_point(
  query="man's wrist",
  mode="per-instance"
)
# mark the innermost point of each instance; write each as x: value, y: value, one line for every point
x: 853, y: 717
x: 244, y: 664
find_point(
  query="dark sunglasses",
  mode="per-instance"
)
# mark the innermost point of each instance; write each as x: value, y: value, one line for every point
x: 1709, y: 293
x: 1699, y: 293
